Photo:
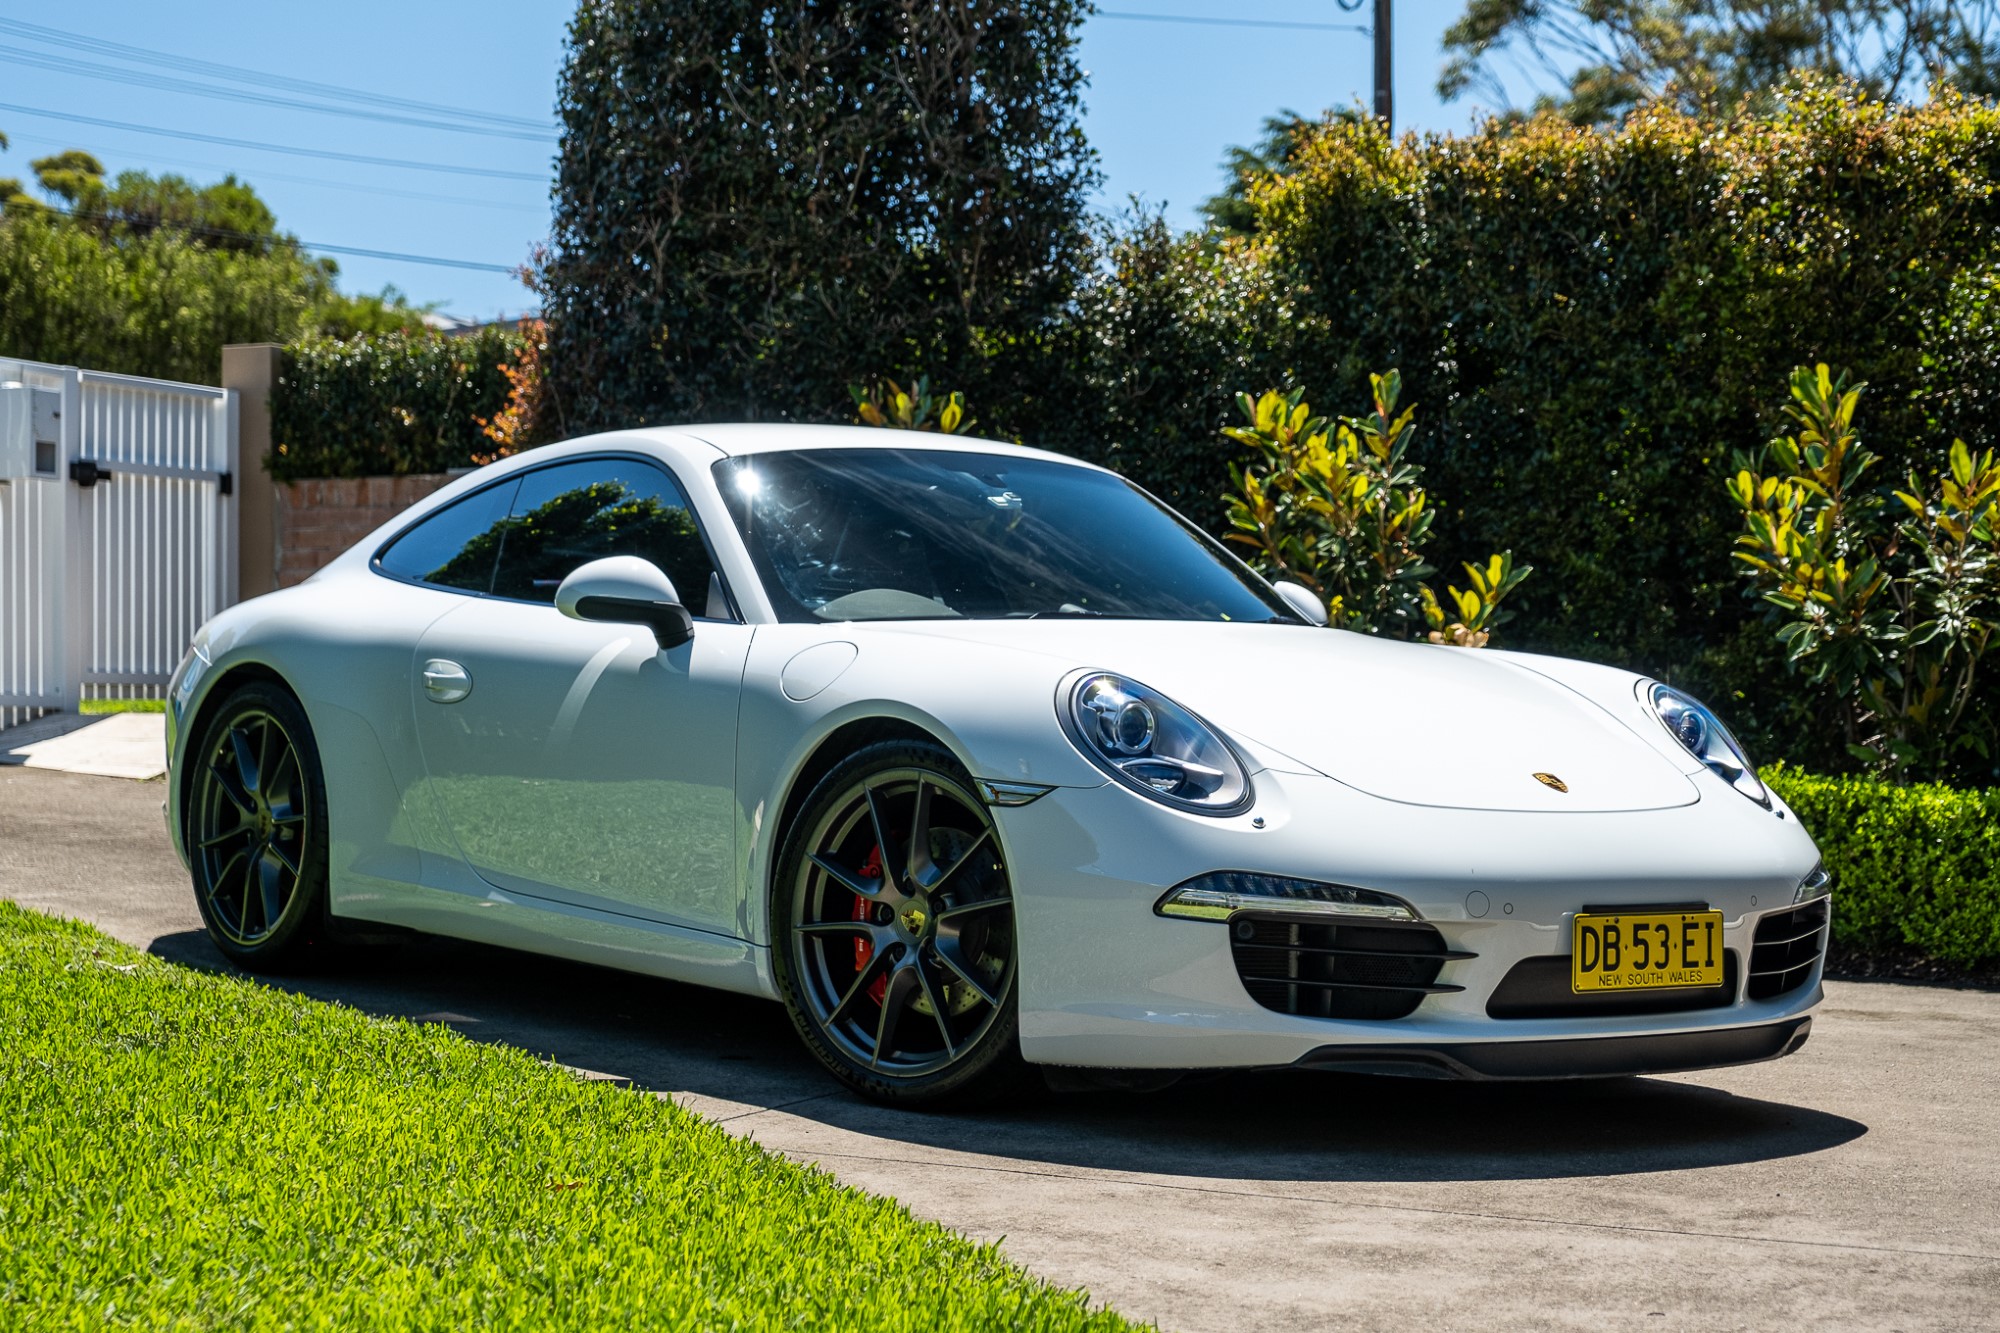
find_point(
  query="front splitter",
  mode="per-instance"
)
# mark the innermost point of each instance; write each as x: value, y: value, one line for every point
x: 1577, y: 1057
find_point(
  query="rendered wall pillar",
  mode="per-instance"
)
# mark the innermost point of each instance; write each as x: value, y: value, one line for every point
x: 252, y: 370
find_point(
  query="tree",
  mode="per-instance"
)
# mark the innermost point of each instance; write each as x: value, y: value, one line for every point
x: 10, y: 186
x: 759, y: 202
x: 152, y: 275
x: 1714, y: 54
x: 1272, y: 155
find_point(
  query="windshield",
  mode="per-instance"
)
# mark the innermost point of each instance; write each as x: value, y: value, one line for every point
x: 922, y: 534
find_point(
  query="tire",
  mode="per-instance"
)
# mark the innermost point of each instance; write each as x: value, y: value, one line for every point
x: 256, y: 829
x: 897, y: 968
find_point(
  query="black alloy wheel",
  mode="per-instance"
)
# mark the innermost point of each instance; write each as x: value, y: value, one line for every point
x: 256, y: 828
x: 895, y: 918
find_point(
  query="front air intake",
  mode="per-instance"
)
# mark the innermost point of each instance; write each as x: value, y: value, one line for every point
x: 1786, y: 948
x: 1317, y: 968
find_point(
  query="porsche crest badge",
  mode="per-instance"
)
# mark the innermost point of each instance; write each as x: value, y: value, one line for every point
x: 1551, y: 780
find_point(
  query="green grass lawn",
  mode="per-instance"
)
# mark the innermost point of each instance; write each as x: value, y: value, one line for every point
x: 185, y: 1150
x: 90, y: 706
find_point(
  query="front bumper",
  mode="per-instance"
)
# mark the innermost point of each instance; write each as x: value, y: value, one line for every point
x: 1105, y: 982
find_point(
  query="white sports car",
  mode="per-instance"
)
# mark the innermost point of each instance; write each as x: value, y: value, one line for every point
x: 978, y: 759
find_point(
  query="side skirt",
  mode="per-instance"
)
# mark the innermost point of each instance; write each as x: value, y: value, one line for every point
x: 561, y: 930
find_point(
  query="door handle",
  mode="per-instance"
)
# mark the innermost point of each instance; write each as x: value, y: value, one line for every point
x: 446, y: 682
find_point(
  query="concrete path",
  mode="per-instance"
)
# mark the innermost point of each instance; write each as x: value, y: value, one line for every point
x: 1856, y: 1185
x: 111, y: 745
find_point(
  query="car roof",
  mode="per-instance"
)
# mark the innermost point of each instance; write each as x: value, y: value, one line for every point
x: 736, y: 439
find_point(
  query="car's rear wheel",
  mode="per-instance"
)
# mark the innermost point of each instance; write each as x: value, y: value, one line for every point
x: 894, y: 917
x: 256, y: 828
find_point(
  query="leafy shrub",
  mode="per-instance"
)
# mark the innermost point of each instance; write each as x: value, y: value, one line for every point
x: 1337, y: 509
x: 886, y: 403
x: 1890, y: 618
x: 529, y: 417
x: 389, y: 406
x: 1915, y: 866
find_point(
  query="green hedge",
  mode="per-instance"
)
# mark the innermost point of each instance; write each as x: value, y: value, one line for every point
x: 1913, y: 867
x: 1150, y: 359
x: 1589, y: 323
x: 388, y: 405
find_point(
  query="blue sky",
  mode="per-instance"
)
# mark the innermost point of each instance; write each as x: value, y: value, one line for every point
x: 1165, y: 100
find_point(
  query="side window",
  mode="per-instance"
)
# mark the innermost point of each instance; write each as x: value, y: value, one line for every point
x: 457, y: 546
x: 573, y: 513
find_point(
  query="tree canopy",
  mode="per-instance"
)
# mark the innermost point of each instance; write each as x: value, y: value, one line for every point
x: 758, y: 203
x: 1612, y: 55
x: 1273, y: 155
x: 152, y: 275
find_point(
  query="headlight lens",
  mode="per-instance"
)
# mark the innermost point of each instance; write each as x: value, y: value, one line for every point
x: 1701, y: 732
x: 1153, y: 745
x: 180, y: 686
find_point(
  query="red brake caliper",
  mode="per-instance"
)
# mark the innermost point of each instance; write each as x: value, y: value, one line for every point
x: 864, y: 949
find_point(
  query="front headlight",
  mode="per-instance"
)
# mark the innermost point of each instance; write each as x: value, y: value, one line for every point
x: 1153, y: 745
x: 181, y: 685
x: 1702, y: 734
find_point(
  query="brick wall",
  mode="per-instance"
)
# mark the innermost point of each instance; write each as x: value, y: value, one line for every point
x: 315, y: 521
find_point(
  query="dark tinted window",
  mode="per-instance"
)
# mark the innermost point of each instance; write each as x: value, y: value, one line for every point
x: 573, y: 513
x: 910, y: 534
x: 456, y: 546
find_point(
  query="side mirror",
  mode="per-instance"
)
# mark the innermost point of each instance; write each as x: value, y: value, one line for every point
x: 1300, y: 598
x: 626, y: 590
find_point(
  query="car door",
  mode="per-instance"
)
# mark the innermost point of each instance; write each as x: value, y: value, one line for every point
x: 576, y: 760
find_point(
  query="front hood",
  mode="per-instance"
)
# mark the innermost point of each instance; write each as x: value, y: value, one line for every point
x: 1417, y: 723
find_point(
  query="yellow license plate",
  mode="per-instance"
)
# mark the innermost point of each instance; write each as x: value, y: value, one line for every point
x: 1645, y: 951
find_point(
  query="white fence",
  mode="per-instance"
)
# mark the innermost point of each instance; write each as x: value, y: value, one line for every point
x: 117, y: 530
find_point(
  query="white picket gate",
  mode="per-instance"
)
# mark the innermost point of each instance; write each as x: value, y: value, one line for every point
x: 117, y: 531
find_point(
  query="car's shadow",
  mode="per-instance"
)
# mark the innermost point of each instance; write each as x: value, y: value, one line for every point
x: 1273, y: 1126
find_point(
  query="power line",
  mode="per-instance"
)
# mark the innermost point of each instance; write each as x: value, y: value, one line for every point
x: 228, y: 234
x: 1232, y: 23
x: 329, y: 154
x: 472, y: 264
x: 69, y: 64
x: 351, y: 187
x: 284, y: 83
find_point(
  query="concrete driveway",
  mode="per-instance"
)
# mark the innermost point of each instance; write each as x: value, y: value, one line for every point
x: 1856, y: 1185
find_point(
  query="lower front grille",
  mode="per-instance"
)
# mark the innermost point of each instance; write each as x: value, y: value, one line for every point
x: 1317, y: 968
x: 1786, y: 948
x: 1540, y: 988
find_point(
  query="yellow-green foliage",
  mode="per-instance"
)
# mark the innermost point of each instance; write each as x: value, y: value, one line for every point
x: 1335, y: 506
x: 886, y: 403
x: 1915, y: 866
x: 1887, y: 609
x: 180, y: 1149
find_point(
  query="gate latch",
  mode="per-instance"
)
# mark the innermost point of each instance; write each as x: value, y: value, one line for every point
x: 86, y: 473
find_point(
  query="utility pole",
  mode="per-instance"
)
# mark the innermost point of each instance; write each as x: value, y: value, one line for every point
x: 1385, y: 76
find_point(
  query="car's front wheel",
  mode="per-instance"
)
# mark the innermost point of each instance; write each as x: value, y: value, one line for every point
x: 256, y: 828
x: 894, y: 918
